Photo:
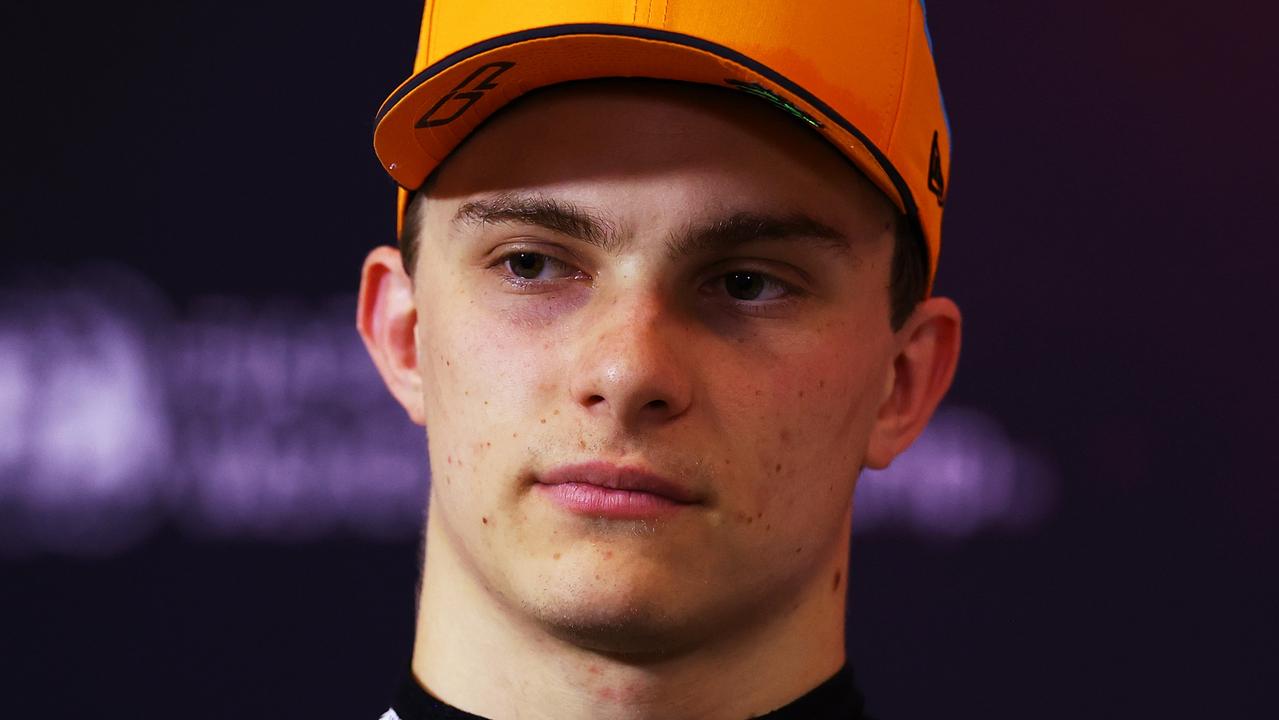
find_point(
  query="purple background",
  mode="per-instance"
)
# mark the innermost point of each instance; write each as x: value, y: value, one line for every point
x: 197, y: 180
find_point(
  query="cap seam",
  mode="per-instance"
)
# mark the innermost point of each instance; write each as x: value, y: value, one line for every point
x: 430, y: 35
x: 901, y: 88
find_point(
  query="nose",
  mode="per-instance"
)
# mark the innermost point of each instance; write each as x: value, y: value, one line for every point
x: 632, y: 366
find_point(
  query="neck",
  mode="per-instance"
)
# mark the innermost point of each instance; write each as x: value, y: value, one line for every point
x: 475, y: 653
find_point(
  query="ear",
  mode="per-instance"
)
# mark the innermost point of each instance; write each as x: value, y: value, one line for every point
x: 387, y: 320
x: 927, y: 351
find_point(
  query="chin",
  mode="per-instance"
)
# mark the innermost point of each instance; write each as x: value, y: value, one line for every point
x: 629, y: 631
x: 631, y: 616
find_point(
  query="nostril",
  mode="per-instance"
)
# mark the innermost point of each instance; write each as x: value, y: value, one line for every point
x: 594, y: 400
x: 657, y: 404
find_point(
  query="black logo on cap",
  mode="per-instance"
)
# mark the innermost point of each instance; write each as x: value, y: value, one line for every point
x: 464, y: 95
x: 936, y: 179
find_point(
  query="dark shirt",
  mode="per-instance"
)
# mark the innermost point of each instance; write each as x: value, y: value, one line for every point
x: 838, y: 697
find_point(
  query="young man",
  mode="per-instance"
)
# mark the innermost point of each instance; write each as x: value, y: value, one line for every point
x: 662, y: 293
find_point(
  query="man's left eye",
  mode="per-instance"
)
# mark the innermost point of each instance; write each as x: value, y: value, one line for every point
x: 754, y: 286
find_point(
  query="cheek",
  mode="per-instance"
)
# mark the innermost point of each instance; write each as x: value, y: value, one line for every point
x: 479, y: 358
x: 803, y: 424
x: 486, y: 378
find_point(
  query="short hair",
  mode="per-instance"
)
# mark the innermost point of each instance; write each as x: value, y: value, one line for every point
x: 908, y: 276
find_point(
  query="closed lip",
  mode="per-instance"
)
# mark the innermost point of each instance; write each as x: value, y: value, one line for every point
x: 615, y: 477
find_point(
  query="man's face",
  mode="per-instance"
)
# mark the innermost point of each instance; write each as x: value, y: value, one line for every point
x: 617, y: 280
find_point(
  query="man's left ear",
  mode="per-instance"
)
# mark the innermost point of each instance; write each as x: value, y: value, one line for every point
x: 927, y: 351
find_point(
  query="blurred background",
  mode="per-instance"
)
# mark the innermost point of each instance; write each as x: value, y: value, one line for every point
x: 209, y: 506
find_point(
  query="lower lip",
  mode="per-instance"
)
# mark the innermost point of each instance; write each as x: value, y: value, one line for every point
x: 599, y: 501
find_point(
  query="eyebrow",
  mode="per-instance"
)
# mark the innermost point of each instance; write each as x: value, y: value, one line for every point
x: 584, y: 224
x: 559, y: 216
x: 743, y: 227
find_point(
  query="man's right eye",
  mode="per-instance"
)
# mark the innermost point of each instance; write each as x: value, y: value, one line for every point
x: 536, y: 267
x: 526, y: 265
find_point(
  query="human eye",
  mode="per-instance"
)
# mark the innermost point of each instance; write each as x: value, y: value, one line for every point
x: 529, y: 270
x: 750, y: 286
x: 751, y: 292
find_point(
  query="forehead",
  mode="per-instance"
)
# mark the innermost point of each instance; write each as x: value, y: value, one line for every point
x: 689, y: 148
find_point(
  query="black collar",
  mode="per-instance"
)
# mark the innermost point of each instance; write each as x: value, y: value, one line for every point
x: 837, y: 698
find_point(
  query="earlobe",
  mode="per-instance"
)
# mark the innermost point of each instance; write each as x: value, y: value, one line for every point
x: 386, y: 318
x: 923, y: 368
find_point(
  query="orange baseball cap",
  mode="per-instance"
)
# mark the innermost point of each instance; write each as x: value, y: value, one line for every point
x: 860, y: 72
